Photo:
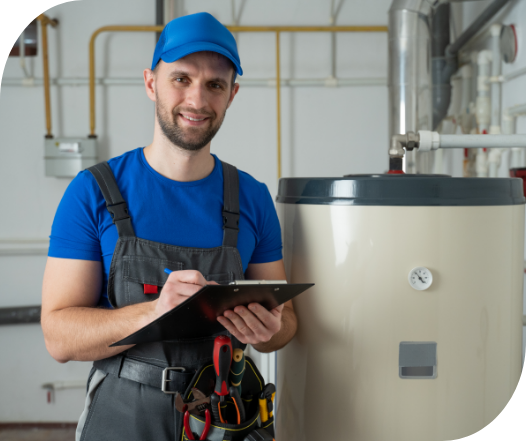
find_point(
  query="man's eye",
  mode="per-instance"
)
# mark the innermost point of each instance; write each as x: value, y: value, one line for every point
x: 216, y: 86
x: 180, y: 80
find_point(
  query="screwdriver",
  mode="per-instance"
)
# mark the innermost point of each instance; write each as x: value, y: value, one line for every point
x: 222, y: 362
x: 238, y: 369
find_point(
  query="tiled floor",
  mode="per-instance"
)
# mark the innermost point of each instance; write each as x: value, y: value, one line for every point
x: 37, y: 434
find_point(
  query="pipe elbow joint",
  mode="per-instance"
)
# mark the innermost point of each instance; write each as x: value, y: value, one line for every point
x: 409, y: 141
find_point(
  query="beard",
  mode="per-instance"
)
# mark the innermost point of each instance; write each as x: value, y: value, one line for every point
x: 190, y: 139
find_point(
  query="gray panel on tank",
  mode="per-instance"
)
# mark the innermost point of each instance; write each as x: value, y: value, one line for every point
x: 417, y: 360
x: 401, y: 190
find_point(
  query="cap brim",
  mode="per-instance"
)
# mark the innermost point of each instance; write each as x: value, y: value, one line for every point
x: 199, y: 46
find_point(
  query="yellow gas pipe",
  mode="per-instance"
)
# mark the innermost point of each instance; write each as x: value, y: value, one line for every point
x: 44, y: 21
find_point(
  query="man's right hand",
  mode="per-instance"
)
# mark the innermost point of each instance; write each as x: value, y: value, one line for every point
x: 76, y: 329
x: 179, y: 287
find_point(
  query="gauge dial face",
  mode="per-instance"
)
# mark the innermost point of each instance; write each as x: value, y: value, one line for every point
x: 420, y: 278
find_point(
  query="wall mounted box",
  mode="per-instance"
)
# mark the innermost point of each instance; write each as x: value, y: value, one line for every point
x: 66, y: 157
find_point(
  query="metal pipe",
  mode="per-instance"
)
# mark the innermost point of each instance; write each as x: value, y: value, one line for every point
x: 278, y: 102
x: 476, y: 26
x: 44, y: 21
x: 409, y: 69
x: 439, y: 43
x: 20, y: 315
x: 159, y: 15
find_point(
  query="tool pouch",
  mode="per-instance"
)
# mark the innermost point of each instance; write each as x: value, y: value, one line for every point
x: 252, y: 385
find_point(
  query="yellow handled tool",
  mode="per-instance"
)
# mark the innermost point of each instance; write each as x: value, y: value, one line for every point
x: 266, y: 406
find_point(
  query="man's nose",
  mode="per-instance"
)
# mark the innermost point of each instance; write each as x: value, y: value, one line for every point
x: 196, y: 96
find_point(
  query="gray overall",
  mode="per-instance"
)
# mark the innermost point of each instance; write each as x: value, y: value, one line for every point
x: 127, y: 399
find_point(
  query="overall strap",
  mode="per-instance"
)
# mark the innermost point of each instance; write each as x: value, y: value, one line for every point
x: 230, y: 205
x: 115, y: 203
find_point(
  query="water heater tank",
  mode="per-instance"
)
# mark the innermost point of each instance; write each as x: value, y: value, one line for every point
x: 413, y: 330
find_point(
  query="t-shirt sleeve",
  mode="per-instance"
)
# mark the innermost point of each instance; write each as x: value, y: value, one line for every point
x: 269, y: 245
x: 75, y: 230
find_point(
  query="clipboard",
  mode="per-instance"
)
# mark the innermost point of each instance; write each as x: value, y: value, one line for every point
x: 197, y: 316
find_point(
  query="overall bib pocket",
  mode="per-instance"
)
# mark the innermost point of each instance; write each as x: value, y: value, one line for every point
x: 144, y: 277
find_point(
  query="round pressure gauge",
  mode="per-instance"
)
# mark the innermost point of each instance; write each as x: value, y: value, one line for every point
x: 420, y: 278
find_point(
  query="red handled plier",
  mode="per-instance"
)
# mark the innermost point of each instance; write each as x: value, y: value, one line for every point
x: 187, y: 429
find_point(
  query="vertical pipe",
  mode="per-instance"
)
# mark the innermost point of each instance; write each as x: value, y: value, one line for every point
x: 278, y: 102
x: 483, y: 92
x: 409, y: 70
x: 159, y: 17
x: 22, y: 52
x: 439, y: 43
x: 483, y: 109
x: 494, y: 156
x: 43, y: 24
x: 92, y: 85
x: 496, y: 70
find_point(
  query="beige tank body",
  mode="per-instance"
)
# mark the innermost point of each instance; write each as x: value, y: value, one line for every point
x: 339, y: 377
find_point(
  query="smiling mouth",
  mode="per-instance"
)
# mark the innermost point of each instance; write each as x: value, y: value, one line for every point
x: 189, y: 118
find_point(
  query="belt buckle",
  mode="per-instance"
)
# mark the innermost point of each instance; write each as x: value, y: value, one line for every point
x: 165, y: 379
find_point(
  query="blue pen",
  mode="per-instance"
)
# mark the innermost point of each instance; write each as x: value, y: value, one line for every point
x: 168, y: 271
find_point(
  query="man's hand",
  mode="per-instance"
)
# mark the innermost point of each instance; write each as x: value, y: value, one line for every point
x: 252, y: 325
x: 179, y: 286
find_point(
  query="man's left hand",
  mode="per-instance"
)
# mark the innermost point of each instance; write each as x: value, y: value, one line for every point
x: 252, y: 325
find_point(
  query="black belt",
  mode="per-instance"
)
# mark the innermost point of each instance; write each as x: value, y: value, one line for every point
x: 170, y: 380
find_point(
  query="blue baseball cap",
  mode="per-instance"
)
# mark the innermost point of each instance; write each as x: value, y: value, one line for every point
x: 195, y: 33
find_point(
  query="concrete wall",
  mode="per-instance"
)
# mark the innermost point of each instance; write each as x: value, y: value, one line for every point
x: 326, y: 132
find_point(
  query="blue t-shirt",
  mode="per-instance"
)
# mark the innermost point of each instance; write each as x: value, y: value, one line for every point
x: 187, y: 214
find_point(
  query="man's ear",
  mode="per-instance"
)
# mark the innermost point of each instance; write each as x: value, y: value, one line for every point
x: 235, y: 89
x: 149, y: 83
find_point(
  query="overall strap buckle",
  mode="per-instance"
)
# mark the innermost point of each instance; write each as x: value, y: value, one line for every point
x: 230, y: 220
x: 166, y: 380
x: 118, y: 211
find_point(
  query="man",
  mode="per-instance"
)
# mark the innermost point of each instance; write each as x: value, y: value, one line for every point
x: 170, y: 205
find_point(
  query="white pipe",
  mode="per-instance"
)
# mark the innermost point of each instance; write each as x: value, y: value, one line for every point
x: 482, y: 141
x: 256, y: 82
x: 495, y: 155
x: 434, y: 140
x: 483, y: 91
x: 496, y: 68
x: 466, y: 117
x: 22, y: 51
x: 483, y: 108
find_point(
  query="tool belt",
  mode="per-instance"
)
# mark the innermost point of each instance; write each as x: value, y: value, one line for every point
x: 252, y: 385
